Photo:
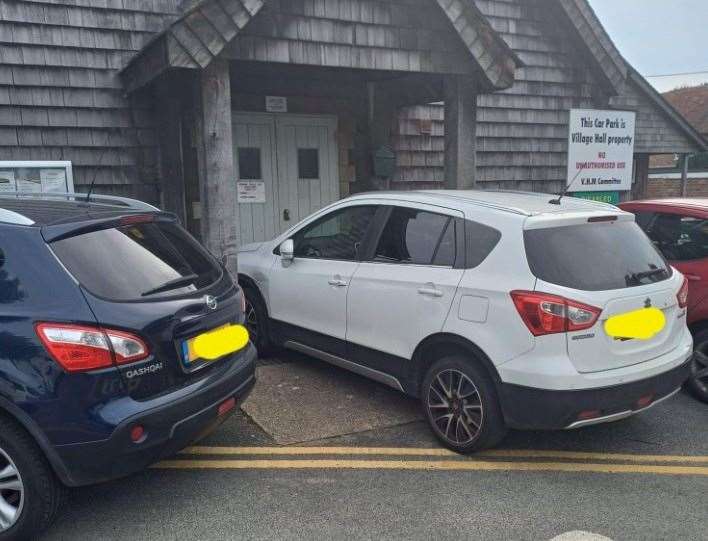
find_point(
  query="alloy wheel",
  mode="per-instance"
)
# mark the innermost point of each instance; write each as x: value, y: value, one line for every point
x: 455, y: 407
x: 12, y: 492
x: 699, y: 367
x: 251, y: 321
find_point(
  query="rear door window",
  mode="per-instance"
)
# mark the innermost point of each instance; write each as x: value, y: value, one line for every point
x: 138, y: 262
x: 417, y: 237
x: 679, y: 238
x: 595, y: 256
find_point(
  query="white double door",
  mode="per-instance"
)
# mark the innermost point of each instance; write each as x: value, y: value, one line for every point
x: 286, y: 167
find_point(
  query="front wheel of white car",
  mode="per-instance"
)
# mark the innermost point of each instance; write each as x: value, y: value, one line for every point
x: 257, y: 322
x: 461, y: 405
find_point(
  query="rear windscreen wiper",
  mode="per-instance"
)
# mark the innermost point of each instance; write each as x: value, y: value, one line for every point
x: 637, y: 277
x: 172, y: 284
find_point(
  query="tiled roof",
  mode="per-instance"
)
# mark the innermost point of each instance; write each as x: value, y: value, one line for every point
x: 692, y: 103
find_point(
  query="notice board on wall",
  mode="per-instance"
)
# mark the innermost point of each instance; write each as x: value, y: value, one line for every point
x: 36, y: 177
x: 600, y: 150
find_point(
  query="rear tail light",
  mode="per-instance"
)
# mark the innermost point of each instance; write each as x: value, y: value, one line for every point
x: 82, y: 348
x: 550, y: 314
x: 682, y: 295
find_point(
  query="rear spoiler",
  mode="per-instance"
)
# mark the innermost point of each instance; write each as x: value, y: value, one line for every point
x: 60, y: 231
x: 564, y: 219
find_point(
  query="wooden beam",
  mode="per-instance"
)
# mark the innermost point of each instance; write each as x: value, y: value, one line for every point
x: 170, y: 141
x: 217, y: 184
x: 684, y: 174
x: 460, y: 134
x: 641, y: 176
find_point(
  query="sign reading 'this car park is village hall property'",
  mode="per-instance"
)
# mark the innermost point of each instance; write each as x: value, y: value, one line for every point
x: 600, y: 150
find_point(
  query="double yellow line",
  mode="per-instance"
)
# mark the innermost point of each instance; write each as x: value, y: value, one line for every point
x: 432, y: 459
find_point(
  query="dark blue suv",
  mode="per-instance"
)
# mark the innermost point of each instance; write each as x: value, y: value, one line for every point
x: 100, y: 303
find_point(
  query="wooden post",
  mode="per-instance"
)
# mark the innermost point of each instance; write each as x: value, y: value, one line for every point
x: 170, y: 134
x: 382, y: 111
x: 460, y: 133
x: 641, y: 181
x: 684, y: 174
x: 217, y: 184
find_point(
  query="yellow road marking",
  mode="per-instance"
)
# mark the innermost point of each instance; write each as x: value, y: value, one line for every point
x: 441, y: 465
x: 437, y: 452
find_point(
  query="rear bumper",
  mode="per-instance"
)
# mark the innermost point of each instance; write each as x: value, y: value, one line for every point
x: 541, y: 409
x: 169, y: 429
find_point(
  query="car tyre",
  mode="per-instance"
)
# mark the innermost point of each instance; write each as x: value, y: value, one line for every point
x: 257, y: 322
x: 697, y: 384
x: 461, y: 404
x: 31, y: 486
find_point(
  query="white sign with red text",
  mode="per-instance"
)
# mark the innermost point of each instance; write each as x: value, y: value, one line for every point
x: 600, y: 150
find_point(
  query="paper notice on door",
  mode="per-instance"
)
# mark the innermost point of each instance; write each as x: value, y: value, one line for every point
x: 7, y: 181
x: 251, y: 192
x: 28, y: 180
x: 53, y: 180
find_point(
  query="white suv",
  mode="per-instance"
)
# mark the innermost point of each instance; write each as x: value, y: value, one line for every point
x: 489, y: 307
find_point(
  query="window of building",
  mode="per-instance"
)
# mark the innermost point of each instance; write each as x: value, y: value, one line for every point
x: 249, y: 163
x: 308, y: 163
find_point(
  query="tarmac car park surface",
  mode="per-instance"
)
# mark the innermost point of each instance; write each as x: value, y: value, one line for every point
x: 642, y: 478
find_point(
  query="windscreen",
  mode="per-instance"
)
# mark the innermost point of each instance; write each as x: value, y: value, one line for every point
x: 138, y: 262
x: 595, y: 256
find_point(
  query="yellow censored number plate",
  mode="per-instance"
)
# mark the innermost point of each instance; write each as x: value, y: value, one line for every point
x: 642, y: 324
x: 213, y: 345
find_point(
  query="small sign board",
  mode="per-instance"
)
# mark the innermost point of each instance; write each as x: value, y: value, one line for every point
x: 600, y: 150
x: 613, y: 198
x: 251, y: 191
x: 276, y: 104
x: 36, y: 177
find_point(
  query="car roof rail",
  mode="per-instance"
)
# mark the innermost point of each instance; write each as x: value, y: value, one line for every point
x: 112, y: 200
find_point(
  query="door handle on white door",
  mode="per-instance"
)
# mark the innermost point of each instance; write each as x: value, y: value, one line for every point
x: 338, y: 282
x: 430, y: 291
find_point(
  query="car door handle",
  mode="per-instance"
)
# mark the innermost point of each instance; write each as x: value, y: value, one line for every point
x: 692, y: 277
x: 338, y: 282
x: 430, y: 291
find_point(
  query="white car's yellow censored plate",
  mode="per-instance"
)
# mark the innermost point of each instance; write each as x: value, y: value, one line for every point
x: 213, y: 345
x: 642, y: 324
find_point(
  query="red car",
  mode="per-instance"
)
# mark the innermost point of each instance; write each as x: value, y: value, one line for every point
x: 679, y: 229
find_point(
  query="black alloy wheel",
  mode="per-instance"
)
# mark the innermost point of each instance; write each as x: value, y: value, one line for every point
x: 461, y: 404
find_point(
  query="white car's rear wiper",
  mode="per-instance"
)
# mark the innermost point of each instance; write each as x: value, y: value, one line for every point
x: 172, y: 284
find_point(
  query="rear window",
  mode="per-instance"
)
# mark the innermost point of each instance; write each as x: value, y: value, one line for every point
x: 138, y: 262
x: 595, y: 257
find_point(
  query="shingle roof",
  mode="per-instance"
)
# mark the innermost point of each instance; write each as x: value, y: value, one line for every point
x: 692, y: 103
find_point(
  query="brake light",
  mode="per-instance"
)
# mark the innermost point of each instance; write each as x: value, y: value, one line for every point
x: 134, y: 219
x: 551, y: 314
x: 80, y: 348
x: 682, y: 295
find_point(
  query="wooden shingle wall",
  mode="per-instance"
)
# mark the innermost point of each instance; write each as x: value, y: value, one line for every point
x: 523, y: 131
x: 399, y: 35
x: 60, y: 97
x: 654, y: 133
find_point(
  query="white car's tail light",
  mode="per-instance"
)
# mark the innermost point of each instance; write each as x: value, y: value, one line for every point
x: 682, y: 295
x: 550, y: 314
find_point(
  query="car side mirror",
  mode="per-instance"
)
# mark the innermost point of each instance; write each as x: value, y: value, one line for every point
x: 287, y: 252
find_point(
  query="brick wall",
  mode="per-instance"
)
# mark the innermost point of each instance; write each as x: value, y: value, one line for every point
x: 662, y: 188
